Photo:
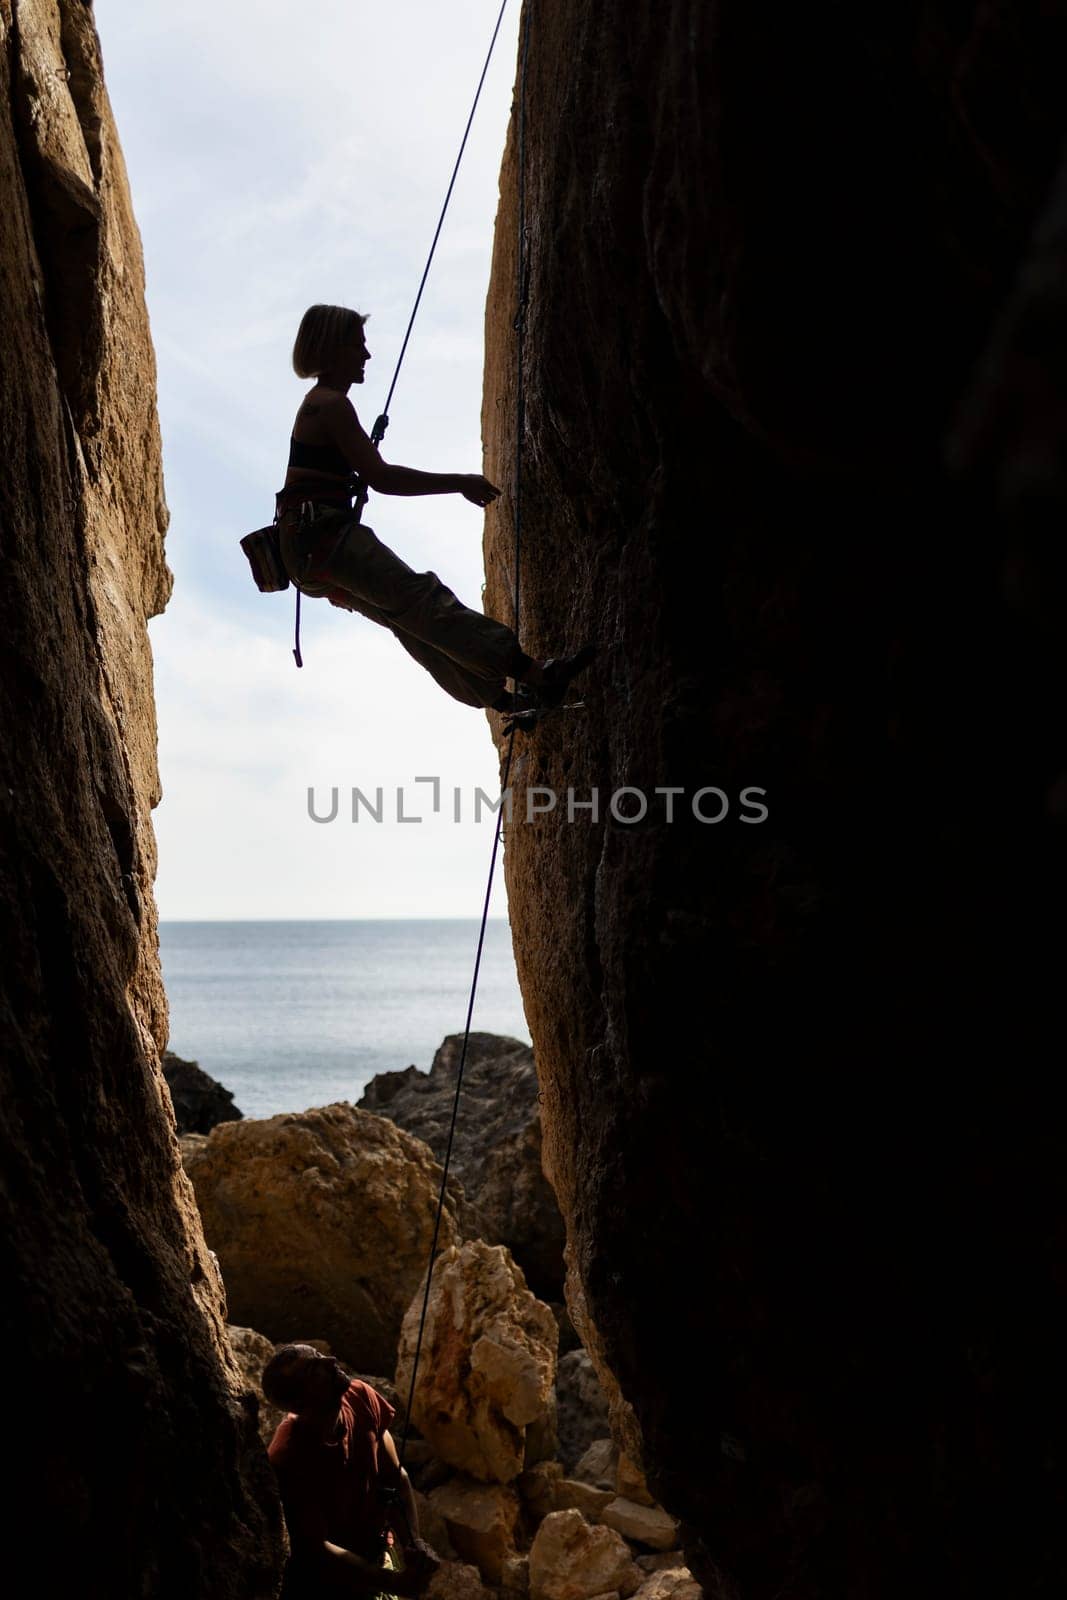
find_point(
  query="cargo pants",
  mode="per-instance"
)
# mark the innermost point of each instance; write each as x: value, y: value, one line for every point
x: 469, y: 654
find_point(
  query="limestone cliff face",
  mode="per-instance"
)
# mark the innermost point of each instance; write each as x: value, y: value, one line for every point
x: 812, y: 1171
x: 135, y: 1467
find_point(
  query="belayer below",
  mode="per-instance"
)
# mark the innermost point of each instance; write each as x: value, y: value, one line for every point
x: 328, y: 553
x: 348, y: 1503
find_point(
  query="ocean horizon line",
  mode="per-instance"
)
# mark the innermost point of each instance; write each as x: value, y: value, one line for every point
x: 249, y: 921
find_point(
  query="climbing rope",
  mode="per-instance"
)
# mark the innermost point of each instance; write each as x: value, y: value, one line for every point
x: 382, y: 421
x: 520, y: 328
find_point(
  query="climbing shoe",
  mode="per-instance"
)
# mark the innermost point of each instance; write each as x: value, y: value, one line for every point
x: 558, y: 674
x: 521, y: 701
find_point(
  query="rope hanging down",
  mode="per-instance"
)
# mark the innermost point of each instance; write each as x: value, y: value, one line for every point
x: 382, y: 421
x: 519, y: 326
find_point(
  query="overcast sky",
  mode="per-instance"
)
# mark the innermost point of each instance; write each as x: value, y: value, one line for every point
x: 279, y: 155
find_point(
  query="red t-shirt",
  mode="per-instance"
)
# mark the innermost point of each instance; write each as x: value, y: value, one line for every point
x: 328, y: 1490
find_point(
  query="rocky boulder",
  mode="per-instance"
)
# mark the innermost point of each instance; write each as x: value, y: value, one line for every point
x: 487, y: 1364
x: 670, y: 1583
x: 251, y: 1352
x: 599, y: 1465
x: 432, y: 1526
x: 630, y: 1481
x: 322, y: 1224
x: 584, y: 1497
x: 539, y: 1486
x: 641, y: 1524
x: 199, y: 1101
x: 570, y: 1560
x: 496, y: 1155
x: 482, y: 1521
x: 456, y: 1580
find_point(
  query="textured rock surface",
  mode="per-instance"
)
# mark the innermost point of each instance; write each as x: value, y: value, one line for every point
x: 322, y: 1223
x: 139, y: 1469
x: 515, y: 1575
x: 539, y: 1486
x: 487, y: 1365
x: 630, y: 1481
x: 789, y: 234
x: 647, y: 1525
x: 582, y: 1407
x: 199, y: 1101
x: 251, y: 1352
x: 661, y: 1561
x: 482, y: 1521
x: 599, y: 1465
x: 571, y: 1560
x: 457, y: 1580
x: 432, y: 1525
x: 496, y: 1154
x: 671, y: 1583
x: 767, y: 247
x: 583, y: 1497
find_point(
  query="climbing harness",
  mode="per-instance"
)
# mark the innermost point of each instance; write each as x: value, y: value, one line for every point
x: 519, y: 326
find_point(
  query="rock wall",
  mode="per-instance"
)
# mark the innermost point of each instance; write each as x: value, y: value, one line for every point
x: 137, y: 1467
x: 793, y: 457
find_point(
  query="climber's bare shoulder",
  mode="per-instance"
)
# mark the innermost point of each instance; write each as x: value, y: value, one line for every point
x: 336, y: 416
x: 322, y: 404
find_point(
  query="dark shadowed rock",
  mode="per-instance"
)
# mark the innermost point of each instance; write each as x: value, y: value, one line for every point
x: 823, y: 1252
x: 252, y: 1351
x: 582, y: 1407
x: 496, y: 1155
x: 138, y: 1469
x: 199, y: 1101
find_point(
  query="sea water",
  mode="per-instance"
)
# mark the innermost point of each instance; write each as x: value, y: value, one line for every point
x: 289, y: 1015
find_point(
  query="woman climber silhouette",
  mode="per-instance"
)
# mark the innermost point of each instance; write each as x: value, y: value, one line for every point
x: 328, y: 553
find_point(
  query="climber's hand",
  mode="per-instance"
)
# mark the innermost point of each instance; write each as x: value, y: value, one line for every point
x: 479, y: 491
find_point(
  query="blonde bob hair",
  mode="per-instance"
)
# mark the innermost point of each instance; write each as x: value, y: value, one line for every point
x: 323, y: 331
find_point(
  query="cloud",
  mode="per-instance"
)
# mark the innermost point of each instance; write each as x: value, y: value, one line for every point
x: 277, y: 156
x: 244, y: 735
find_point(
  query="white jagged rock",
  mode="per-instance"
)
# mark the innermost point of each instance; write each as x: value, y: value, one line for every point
x: 488, y: 1363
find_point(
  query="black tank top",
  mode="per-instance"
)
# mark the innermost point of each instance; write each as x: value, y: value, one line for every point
x: 318, y: 458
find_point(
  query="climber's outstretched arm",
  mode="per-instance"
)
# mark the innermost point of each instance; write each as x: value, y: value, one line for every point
x: 346, y: 430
